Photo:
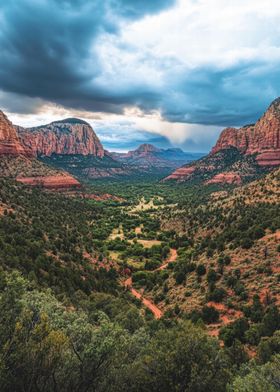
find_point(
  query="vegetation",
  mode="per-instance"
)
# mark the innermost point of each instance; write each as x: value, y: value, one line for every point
x: 69, y: 323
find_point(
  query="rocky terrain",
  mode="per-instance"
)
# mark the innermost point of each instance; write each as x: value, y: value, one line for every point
x: 257, y: 148
x: 18, y: 161
x: 72, y: 145
x: 71, y: 136
x: 9, y: 140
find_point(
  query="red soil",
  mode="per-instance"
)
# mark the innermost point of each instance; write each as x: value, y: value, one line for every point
x: 172, y: 257
x: 153, y: 308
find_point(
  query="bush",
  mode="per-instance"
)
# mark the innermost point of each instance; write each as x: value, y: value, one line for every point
x: 200, y: 270
x: 212, y: 276
x: 209, y: 314
x: 217, y: 295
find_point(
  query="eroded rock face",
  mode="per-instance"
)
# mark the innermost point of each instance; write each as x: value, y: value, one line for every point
x: 239, y: 153
x: 18, y: 161
x: 9, y: 141
x: 225, y: 178
x: 51, y: 182
x: 181, y: 174
x: 148, y: 158
x: 232, y: 137
x: 262, y: 139
x: 69, y: 136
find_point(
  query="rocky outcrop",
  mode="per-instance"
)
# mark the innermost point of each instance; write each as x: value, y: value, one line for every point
x: 17, y: 161
x: 9, y: 140
x: 67, y: 137
x: 239, y: 153
x: 225, y: 178
x: 232, y: 137
x: 181, y: 174
x: 269, y: 158
x: 262, y: 139
x: 55, y: 182
x: 144, y: 149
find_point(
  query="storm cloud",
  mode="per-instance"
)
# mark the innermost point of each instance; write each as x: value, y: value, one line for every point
x: 48, y: 47
x: 189, y: 62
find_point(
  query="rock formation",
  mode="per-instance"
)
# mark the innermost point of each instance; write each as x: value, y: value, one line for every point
x: 147, y: 157
x: 55, y: 182
x: 183, y: 173
x: 9, y: 141
x: 67, y: 137
x: 225, y: 178
x: 245, y: 151
x: 17, y: 160
x: 262, y: 139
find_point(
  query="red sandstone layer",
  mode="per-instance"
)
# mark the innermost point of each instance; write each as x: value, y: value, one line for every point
x: 51, y: 182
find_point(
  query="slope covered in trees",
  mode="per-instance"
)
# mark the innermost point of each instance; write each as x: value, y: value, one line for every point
x: 68, y: 323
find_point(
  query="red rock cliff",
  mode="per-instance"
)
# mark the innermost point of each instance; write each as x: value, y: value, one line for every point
x: 262, y: 139
x: 9, y: 141
x: 70, y: 136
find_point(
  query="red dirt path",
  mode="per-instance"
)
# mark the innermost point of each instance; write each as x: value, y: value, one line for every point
x: 149, y: 304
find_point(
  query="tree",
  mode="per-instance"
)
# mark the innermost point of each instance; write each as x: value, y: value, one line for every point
x: 200, y: 270
x: 181, y: 358
x: 209, y: 314
x: 259, y: 378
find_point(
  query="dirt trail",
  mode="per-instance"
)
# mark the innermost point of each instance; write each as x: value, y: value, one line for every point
x: 153, y: 308
x: 172, y: 257
x: 149, y: 304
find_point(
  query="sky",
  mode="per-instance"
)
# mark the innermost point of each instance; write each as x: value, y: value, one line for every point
x: 168, y: 72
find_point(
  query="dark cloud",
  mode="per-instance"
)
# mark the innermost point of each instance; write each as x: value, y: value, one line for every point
x: 235, y: 95
x: 48, y: 47
x: 49, y: 52
x: 126, y: 135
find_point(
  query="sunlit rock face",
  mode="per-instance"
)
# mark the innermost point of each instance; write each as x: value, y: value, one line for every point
x: 55, y: 182
x: 238, y: 153
x: 9, y: 140
x: 18, y: 160
x: 67, y: 137
x: 226, y: 178
x: 262, y: 139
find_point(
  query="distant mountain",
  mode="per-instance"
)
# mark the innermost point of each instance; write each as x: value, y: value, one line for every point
x: 148, y: 157
x: 239, y: 154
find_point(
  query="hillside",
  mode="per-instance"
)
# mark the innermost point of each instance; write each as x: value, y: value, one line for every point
x: 84, y: 283
x: 232, y: 255
x: 239, y: 154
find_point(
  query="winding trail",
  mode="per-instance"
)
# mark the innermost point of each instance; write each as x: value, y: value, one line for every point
x: 147, y: 303
x: 172, y: 257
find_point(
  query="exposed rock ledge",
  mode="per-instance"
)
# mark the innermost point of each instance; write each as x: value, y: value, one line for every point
x: 225, y: 178
x: 51, y: 182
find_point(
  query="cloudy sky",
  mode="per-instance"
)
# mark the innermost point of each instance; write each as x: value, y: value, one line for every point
x: 162, y: 71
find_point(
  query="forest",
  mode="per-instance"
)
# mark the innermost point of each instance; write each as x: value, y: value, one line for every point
x: 69, y: 323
